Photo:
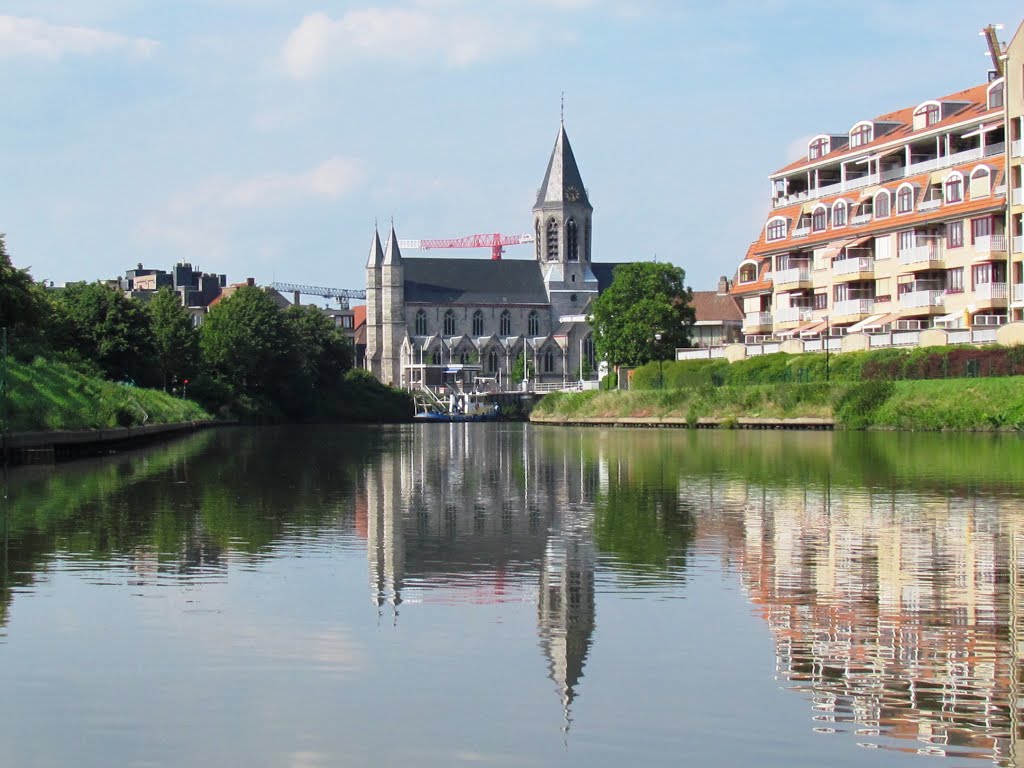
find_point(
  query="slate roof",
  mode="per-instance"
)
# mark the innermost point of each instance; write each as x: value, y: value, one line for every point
x: 473, y: 281
x: 562, y: 173
x: 603, y: 272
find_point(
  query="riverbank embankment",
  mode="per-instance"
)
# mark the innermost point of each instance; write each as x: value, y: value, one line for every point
x: 992, y: 404
x: 56, y: 445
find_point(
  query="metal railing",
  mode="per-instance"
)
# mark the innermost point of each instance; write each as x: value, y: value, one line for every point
x: 1016, y: 148
x: 853, y: 266
x: 854, y: 307
x: 931, y: 298
x: 990, y: 291
x: 1018, y: 292
x: 792, y: 314
x: 921, y: 253
x: 757, y: 319
x: 860, y: 218
x: 990, y: 243
x: 795, y: 275
x: 1017, y: 196
x: 929, y: 205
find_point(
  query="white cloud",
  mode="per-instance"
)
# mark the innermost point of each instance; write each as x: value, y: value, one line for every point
x: 20, y: 36
x: 451, y: 33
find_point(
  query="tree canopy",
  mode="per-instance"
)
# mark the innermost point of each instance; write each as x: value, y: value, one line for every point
x: 175, y: 339
x: 645, y: 300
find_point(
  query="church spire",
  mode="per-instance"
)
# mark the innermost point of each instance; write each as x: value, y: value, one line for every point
x: 376, y: 252
x: 392, y: 254
x: 562, y: 181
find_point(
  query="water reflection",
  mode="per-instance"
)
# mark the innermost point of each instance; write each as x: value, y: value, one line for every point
x: 886, y: 567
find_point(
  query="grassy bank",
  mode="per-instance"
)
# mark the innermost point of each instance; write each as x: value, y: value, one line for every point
x: 957, y: 404
x: 45, y: 395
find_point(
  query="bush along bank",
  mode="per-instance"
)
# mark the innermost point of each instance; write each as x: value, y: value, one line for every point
x: 952, y: 404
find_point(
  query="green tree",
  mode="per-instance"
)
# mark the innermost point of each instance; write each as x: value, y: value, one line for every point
x: 175, y: 339
x: 244, y: 341
x: 645, y: 299
x: 323, y: 351
x: 23, y: 305
x: 98, y: 324
x: 517, y: 369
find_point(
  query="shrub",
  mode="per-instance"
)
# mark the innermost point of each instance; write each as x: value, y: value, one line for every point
x: 855, y: 406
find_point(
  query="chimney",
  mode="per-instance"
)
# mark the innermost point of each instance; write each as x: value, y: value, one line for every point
x: 723, y: 285
x: 139, y: 266
x: 250, y: 281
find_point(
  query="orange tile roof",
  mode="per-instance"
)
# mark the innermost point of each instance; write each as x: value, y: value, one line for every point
x: 358, y: 315
x: 978, y: 107
x: 892, y: 222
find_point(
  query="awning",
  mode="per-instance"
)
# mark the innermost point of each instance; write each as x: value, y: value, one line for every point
x: 859, y: 241
x: 813, y: 329
x: 864, y: 323
x: 937, y: 177
x: 953, y: 318
x: 829, y: 251
x: 882, y: 321
x: 868, y: 192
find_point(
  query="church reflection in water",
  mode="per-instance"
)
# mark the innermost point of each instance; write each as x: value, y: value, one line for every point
x: 462, y: 514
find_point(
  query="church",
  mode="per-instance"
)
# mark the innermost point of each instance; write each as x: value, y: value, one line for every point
x: 423, y: 314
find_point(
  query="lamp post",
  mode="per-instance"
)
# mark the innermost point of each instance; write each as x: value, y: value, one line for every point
x: 657, y: 351
x: 828, y: 333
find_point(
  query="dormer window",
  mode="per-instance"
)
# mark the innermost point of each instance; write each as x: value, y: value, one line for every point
x: 748, y: 272
x: 882, y: 204
x: 775, y: 229
x: 927, y: 114
x: 981, y: 182
x: 818, y: 147
x: 839, y: 213
x: 905, y: 199
x: 819, y: 219
x: 996, y: 94
x: 954, y: 188
x: 862, y: 133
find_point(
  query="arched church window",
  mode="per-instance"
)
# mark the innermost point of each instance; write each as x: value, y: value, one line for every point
x: 421, y: 323
x: 552, y: 240
x: 588, y: 352
x: 586, y: 241
x: 505, y: 323
x: 572, y: 247
x: 478, y: 323
x: 532, y: 324
x: 436, y: 357
x: 548, y: 361
x: 449, y: 323
x: 464, y: 358
x: 492, y: 361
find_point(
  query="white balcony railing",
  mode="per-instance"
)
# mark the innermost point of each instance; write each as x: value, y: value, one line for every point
x: 990, y: 291
x: 929, y: 205
x: 1018, y: 292
x: 796, y: 275
x: 990, y: 243
x: 792, y: 315
x: 757, y: 319
x: 916, y: 299
x: 921, y: 253
x: 925, y: 166
x: 1016, y: 148
x: 1018, y: 244
x: 1017, y: 196
x: 854, y: 307
x: 860, y: 218
x: 853, y: 266
x: 801, y: 232
x: 999, y: 190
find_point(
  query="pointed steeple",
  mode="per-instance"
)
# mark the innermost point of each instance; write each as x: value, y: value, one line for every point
x: 392, y: 255
x: 562, y: 180
x: 376, y: 252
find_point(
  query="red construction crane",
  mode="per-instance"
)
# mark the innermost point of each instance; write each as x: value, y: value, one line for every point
x: 495, y: 242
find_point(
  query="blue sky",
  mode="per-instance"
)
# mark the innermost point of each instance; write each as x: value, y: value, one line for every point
x: 263, y: 138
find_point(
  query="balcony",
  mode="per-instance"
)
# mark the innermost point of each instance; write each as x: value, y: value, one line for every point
x: 853, y: 307
x: 852, y: 269
x: 1018, y: 292
x: 929, y: 205
x: 922, y: 299
x: 1017, y: 196
x: 793, y: 315
x: 1016, y: 149
x: 991, y: 292
x: 860, y: 218
x: 990, y: 244
x: 927, y: 254
x: 794, y: 276
x: 801, y: 232
x: 754, y: 322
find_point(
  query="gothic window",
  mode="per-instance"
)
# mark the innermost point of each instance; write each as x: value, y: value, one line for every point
x: 588, y: 352
x: 437, y: 357
x: 449, y: 323
x: 548, y: 361
x: 571, y: 241
x: 552, y: 240
x: 464, y: 358
x: 478, y: 323
x: 492, y: 361
x: 505, y: 324
x: 532, y: 324
x: 421, y: 323
x: 586, y: 241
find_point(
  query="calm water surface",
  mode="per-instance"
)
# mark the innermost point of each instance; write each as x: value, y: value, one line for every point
x: 509, y: 595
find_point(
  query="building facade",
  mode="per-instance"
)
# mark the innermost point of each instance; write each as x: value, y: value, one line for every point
x: 433, y: 312
x: 907, y: 221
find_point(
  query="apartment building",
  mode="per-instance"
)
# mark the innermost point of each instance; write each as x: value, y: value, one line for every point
x: 906, y: 221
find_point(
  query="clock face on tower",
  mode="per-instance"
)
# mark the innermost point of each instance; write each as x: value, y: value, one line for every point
x: 572, y: 194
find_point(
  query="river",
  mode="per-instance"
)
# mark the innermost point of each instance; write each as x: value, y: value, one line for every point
x: 506, y: 594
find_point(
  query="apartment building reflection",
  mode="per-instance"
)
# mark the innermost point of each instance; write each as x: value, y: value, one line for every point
x: 463, y: 514
x: 898, y: 611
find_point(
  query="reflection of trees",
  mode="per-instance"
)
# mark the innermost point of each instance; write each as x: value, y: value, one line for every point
x: 644, y: 527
